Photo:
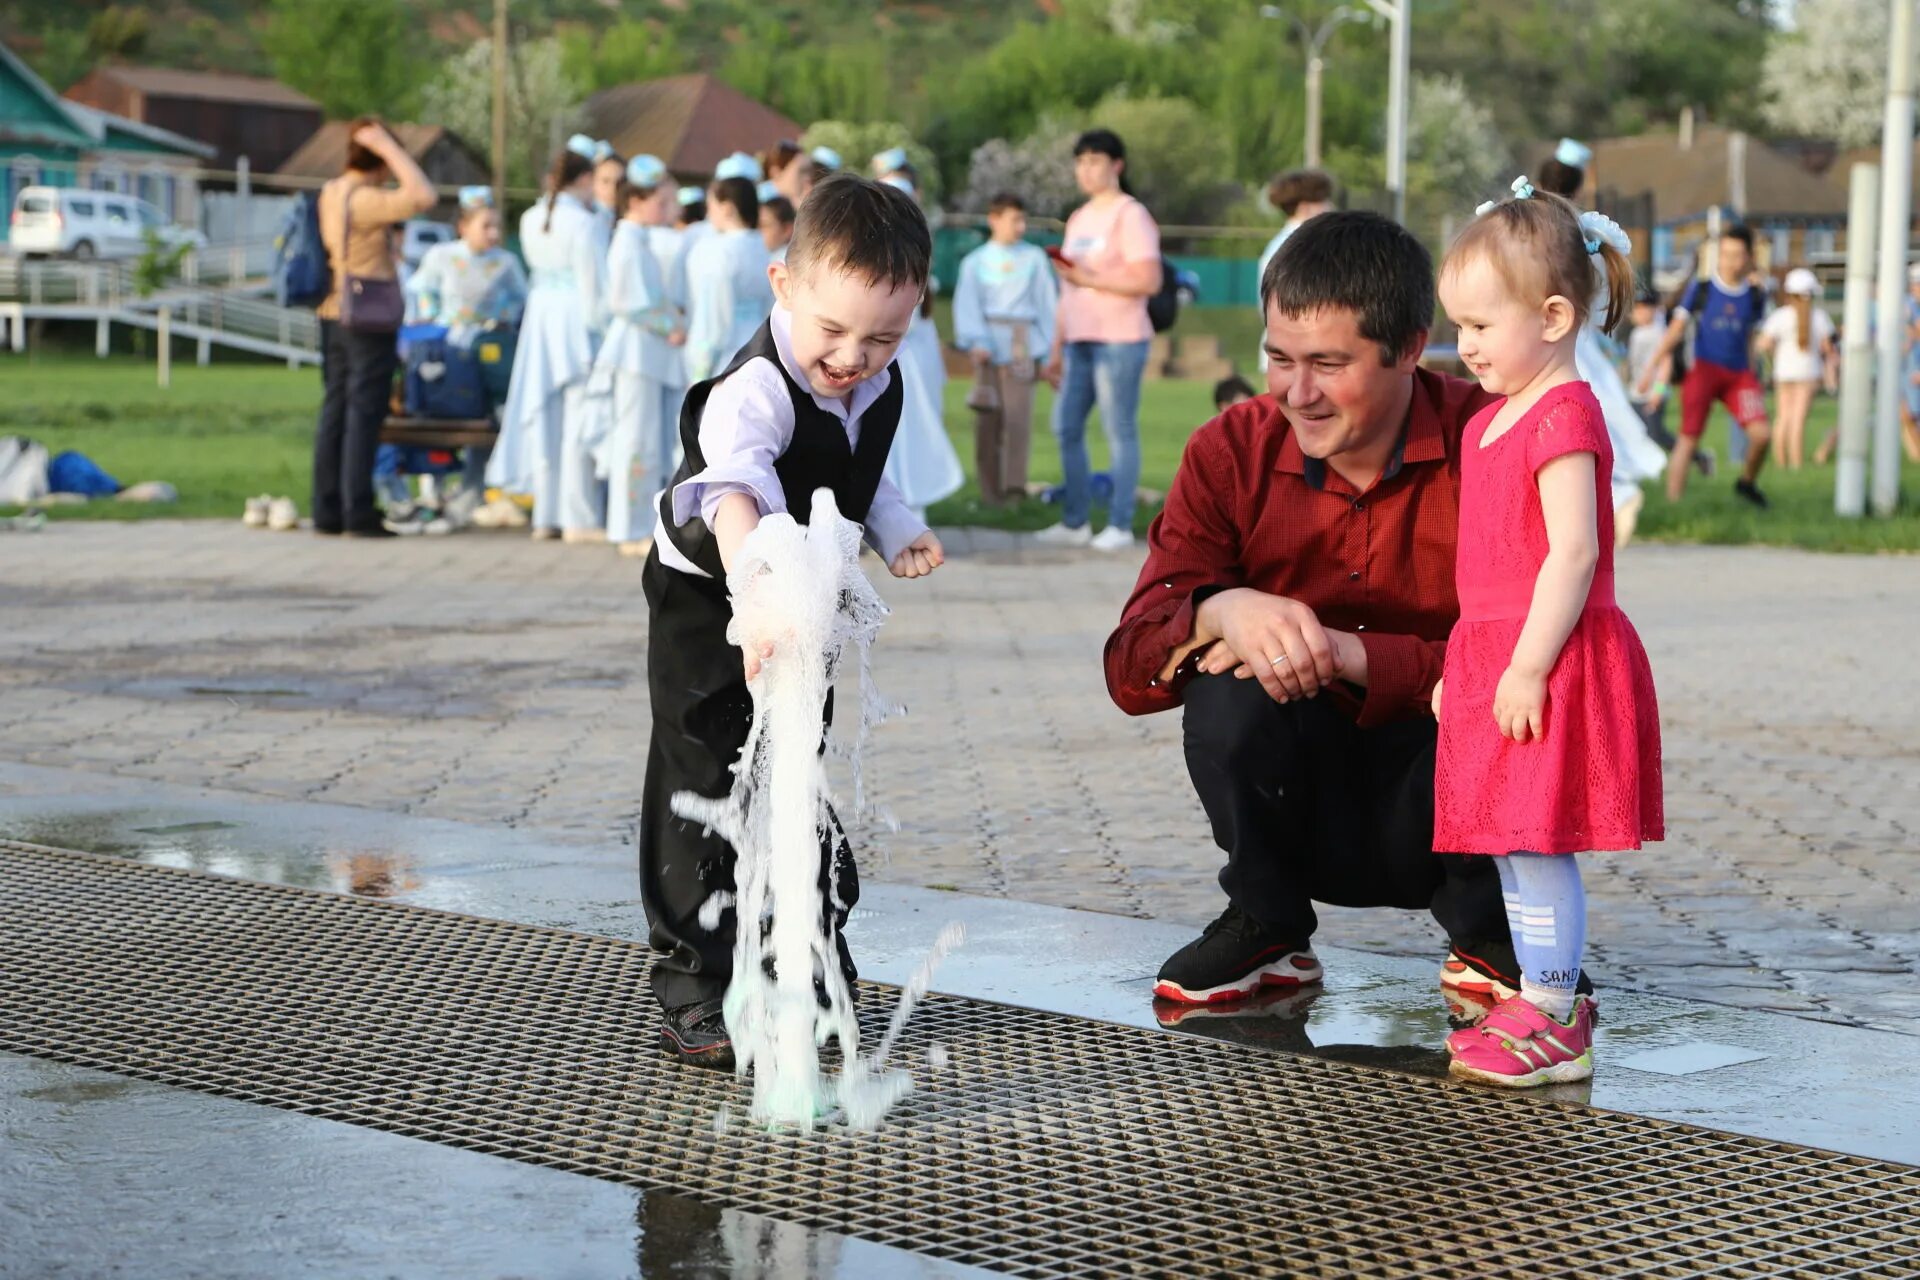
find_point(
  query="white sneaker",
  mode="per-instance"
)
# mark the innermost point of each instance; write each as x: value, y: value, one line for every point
x: 1112, y: 538
x: 462, y: 507
x: 1060, y: 535
x: 502, y: 513
x: 282, y: 515
x: 255, y: 516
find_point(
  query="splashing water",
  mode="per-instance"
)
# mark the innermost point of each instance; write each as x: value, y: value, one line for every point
x: 799, y: 588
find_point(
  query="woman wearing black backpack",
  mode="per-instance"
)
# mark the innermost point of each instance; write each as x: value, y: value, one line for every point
x: 1109, y: 268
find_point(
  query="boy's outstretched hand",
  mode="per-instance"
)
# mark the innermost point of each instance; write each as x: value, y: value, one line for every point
x: 921, y: 557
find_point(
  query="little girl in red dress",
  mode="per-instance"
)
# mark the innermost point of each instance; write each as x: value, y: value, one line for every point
x: 1549, y: 734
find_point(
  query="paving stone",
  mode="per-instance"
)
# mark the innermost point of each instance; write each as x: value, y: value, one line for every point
x: 1789, y: 879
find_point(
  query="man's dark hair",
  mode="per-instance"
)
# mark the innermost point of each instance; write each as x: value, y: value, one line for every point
x: 1289, y: 190
x: 1231, y: 389
x: 1004, y: 201
x: 739, y: 193
x: 1359, y: 262
x: 866, y: 228
x: 1738, y: 231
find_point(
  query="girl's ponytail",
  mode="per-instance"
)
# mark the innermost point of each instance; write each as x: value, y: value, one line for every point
x: 568, y: 168
x: 1616, y: 274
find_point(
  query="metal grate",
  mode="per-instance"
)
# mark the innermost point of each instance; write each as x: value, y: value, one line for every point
x: 1050, y: 1146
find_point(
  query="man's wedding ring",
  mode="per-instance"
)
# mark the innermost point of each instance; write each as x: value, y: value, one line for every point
x: 1282, y: 658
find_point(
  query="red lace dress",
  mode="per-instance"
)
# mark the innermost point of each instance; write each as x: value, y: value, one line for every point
x: 1593, y: 780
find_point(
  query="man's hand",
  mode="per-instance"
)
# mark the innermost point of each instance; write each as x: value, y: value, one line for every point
x: 922, y: 556
x: 1519, y: 705
x: 981, y: 357
x: 1280, y: 641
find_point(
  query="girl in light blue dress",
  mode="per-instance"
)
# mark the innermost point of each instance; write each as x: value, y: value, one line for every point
x: 546, y: 428
x: 636, y: 376
x: 726, y: 270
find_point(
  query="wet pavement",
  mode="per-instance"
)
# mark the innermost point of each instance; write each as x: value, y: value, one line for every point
x: 105, y: 1176
x: 500, y: 682
x: 1765, y: 1075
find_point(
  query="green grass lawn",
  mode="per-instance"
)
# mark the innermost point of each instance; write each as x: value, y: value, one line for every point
x: 226, y: 432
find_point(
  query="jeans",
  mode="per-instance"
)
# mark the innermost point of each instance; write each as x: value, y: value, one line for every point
x: 1107, y: 373
x: 356, y: 372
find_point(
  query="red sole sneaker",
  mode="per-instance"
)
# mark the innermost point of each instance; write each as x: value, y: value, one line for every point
x: 1295, y: 969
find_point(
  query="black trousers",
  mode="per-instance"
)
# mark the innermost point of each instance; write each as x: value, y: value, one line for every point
x: 701, y: 714
x: 1311, y: 808
x: 356, y: 370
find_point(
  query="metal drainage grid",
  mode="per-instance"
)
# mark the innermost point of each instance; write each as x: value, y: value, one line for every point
x: 1050, y: 1146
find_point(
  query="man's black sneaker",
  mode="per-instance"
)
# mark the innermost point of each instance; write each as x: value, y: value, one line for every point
x: 1703, y: 459
x: 1236, y: 956
x: 1751, y: 492
x: 697, y: 1034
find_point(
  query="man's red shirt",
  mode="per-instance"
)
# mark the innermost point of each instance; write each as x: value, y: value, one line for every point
x: 1248, y: 509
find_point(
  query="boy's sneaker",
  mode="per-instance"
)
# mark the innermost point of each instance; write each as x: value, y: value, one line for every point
x: 1112, y: 538
x: 255, y: 515
x: 1751, y: 492
x: 1234, y: 957
x: 1518, y: 1046
x: 282, y: 515
x: 696, y: 1034
x: 1703, y: 459
x: 1061, y: 535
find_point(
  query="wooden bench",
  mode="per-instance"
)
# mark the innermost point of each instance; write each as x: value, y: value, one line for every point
x: 439, y: 433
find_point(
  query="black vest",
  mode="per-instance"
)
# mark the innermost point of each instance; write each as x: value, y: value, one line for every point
x: 818, y: 456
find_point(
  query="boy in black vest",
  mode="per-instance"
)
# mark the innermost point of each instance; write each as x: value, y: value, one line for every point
x: 812, y: 401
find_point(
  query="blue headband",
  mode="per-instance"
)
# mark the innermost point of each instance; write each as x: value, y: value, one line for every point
x: 826, y: 157
x: 646, y: 171
x: 581, y: 145
x: 766, y: 191
x: 476, y: 197
x: 1575, y: 155
x: 890, y: 159
x: 738, y: 165
x: 691, y: 195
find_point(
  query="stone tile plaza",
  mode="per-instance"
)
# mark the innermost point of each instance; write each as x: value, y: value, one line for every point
x: 205, y: 697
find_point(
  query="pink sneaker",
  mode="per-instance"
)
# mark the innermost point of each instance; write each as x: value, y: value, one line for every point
x: 1518, y: 1047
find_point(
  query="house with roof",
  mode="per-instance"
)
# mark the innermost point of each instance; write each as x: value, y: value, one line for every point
x: 691, y: 122
x: 1665, y: 184
x: 250, y: 116
x: 46, y: 140
x: 446, y: 158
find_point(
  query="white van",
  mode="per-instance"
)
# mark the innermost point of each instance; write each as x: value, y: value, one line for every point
x: 74, y: 222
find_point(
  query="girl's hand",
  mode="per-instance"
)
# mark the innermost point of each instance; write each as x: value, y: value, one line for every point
x: 677, y: 338
x: 1055, y: 368
x: 1519, y: 705
x: 921, y: 557
x: 1436, y: 697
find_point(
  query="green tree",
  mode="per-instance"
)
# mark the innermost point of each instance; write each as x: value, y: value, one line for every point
x: 543, y: 102
x: 1176, y: 160
x: 859, y: 141
x: 624, y: 53
x: 350, y: 56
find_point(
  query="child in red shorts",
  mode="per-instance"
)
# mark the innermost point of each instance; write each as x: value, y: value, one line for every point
x: 1727, y: 316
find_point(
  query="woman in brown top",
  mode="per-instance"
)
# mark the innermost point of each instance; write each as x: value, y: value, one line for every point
x: 356, y: 366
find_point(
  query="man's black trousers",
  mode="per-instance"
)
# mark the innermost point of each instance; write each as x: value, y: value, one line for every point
x: 1311, y: 808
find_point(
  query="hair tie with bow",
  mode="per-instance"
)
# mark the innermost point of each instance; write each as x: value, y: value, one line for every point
x: 1599, y: 230
x: 1521, y: 188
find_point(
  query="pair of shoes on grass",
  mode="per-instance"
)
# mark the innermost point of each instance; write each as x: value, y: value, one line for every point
x: 268, y: 512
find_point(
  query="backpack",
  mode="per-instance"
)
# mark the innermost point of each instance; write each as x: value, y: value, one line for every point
x: 302, y: 273
x: 1163, y: 308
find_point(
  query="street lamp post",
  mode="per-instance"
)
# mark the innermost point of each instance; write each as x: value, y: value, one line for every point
x: 1315, y: 40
